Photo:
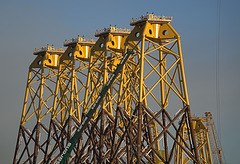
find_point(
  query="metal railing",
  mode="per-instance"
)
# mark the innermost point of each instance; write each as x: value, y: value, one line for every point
x: 47, y: 48
x: 151, y: 17
x: 113, y: 29
x: 78, y: 40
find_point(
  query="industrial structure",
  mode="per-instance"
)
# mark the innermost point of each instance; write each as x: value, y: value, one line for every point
x: 120, y: 99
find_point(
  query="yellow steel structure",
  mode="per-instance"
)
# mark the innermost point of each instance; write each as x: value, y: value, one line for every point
x: 202, y: 138
x: 147, y: 83
x: 72, y: 76
x: 133, y: 124
x: 131, y: 132
x: 105, y: 56
x: 37, y: 107
x: 69, y: 95
x: 158, y: 42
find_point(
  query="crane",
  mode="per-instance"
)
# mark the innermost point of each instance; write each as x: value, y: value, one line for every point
x: 214, y: 140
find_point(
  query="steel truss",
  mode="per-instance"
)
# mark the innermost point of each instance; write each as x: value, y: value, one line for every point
x: 105, y: 56
x: 37, y: 107
x: 68, y: 98
x: 135, y: 122
x: 201, y: 132
x: 148, y: 79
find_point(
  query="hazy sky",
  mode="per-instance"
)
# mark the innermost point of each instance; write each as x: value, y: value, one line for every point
x: 25, y: 25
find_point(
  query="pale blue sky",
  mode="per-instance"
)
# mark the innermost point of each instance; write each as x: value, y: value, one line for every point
x: 25, y: 25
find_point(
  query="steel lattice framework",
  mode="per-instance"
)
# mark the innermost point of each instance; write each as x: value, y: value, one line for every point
x: 144, y: 117
x: 156, y: 72
x: 201, y: 132
x: 68, y: 98
x: 105, y: 56
x: 216, y: 148
x: 37, y: 107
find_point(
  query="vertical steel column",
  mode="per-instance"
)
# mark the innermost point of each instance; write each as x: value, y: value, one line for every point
x: 139, y: 132
x: 165, y: 135
x: 193, y: 135
x: 100, y: 147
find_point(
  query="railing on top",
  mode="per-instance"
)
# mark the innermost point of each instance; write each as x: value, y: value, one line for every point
x: 151, y: 17
x: 113, y: 29
x: 78, y: 40
x: 48, y: 48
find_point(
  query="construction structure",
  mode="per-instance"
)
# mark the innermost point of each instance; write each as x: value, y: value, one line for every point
x: 216, y: 147
x: 202, y: 142
x: 37, y: 106
x: 68, y: 97
x: 143, y: 113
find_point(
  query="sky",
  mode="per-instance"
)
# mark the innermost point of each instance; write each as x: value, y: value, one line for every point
x: 26, y: 25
